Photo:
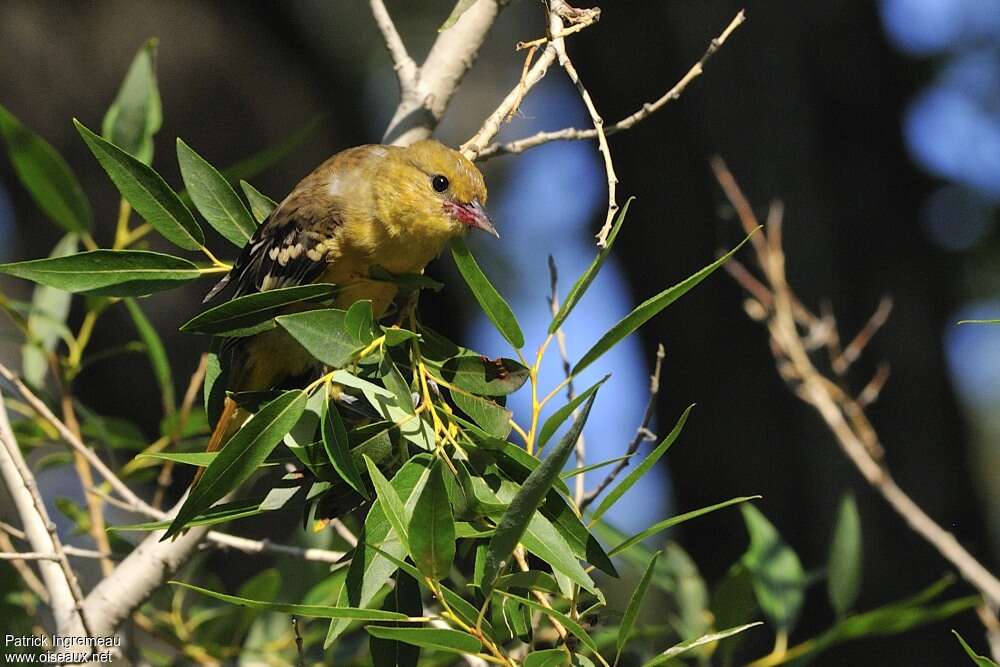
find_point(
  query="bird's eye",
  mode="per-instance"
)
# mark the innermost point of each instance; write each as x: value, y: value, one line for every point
x: 439, y: 183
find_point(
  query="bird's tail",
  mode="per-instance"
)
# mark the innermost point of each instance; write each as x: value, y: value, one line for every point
x: 227, y: 425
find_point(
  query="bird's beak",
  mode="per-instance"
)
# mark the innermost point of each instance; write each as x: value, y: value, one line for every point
x: 476, y: 217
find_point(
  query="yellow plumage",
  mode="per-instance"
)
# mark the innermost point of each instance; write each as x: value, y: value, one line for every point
x: 368, y: 206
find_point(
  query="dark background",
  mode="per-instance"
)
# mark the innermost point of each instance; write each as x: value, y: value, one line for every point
x: 805, y: 103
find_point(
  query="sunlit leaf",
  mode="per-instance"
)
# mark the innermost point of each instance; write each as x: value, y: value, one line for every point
x: 552, y: 657
x: 107, y: 272
x: 391, y: 504
x: 484, y: 377
x: 432, y: 528
x: 572, y: 626
x: 686, y: 646
x: 492, y: 418
x: 242, y: 455
x: 636, y: 474
x: 978, y: 660
x: 223, y: 513
x: 323, y: 333
x: 253, y: 313
x: 439, y: 639
x: 515, y: 520
x: 648, y: 309
x: 676, y: 520
x: 135, y: 116
x: 146, y: 191
x: 844, y: 563
x: 496, y: 309
x: 45, y: 175
x: 214, y: 197
x: 557, y: 418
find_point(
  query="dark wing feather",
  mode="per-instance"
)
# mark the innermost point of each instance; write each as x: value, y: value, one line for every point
x: 287, y: 249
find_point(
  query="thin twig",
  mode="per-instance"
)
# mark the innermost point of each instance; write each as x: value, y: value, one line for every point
x: 642, y: 434
x: 843, y: 414
x: 647, y: 109
x: 298, y: 640
x: 165, y: 477
x: 28, y: 575
x: 581, y: 446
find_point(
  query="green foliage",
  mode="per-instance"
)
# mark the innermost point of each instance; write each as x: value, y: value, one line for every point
x: 214, y: 197
x: 844, y: 565
x: 136, y: 115
x: 978, y: 660
x: 496, y: 309
x: 778, y: 578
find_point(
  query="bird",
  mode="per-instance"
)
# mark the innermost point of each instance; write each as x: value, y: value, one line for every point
x: 365, y: 207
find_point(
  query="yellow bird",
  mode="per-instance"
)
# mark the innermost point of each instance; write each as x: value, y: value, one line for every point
x: 367, y: 206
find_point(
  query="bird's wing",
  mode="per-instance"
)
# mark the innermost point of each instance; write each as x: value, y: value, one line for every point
x: 289, y: 248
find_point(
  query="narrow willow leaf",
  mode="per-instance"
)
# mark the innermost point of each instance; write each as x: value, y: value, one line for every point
x: 460, y: 8
x: 686, y: 646
x: 557, y: 418
x: 675, y: 520
x: 641, y: 469
x: 778, y: 578
x: 47, y: 320
x: 515, y: 520
x: 628, y: 620
x: 496, y: 309
x: 432, y: 528
x: 307, y: 610
x: 593, y: 466
x: 254, y: 164
x: 551, y: 657
x: 572, y: 626
x: 200, y: 459
x: 843, y: 581
x: 107, y: 272
x: 136, y: 115
x: 45, y: 175
x: 323, y: 334
x: 533, y: 579
x: 583, y: 282
x: 338, y: 448
x: 146, y: 191
x: 978, y: 660
x: 242, y: 455
x: 157, y: 354
x: 223, y: 513
x: 260, y: 204
x: 979, y: 322
x: 395, y: 336
x: 253, y: 313
x: 543, y: 539
x: 395, y: 512
x: 484, y: 377
x: 214, y: 197
x: 394, y: 382
x: 404, y: 598
x: 492, y: 418
x: 439, y: 639
x: 648, y: 309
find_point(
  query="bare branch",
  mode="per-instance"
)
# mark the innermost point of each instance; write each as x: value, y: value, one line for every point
x: 642, y: 433
x: 844, y: 415
x: 647, y: 109
x: 406, y: 69
x: 422, y: 107
x: 581, y: 444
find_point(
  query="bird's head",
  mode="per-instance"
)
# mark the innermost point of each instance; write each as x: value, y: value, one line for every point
x: 438, y: 188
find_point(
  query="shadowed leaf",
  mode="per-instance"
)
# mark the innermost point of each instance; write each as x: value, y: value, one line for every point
x: 496, y: 309
x: 214, y: 197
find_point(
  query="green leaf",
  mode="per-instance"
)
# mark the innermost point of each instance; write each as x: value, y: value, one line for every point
x: 557, y: 418
x: 532, y: 579
x: 492, y: 418
x: 338, y: 448
x: 778, y: 579
x: 46, y: 322
x: 641, y: 469
x: 200, y: 459
x: 648, y: 309
x: 979, y: 321
x: 460, y: 8
x: 978, y: 660
x: 484, y: 377
x: 242, y: 455
x: 214, y: 197
x: 515, y: 519
x: 107, y: 272
x: 543, y: 539
x: 395, y: 336
x: 404, y: 598
x: 593, y: 466
x: 323, y: 334
x: 633, y: 606
x: 432, y: 528
x: 551, y: 657
x: 136, y: 114
x: 146, y: 190
x: 395, y: 512
x: 496, y: 309
x: 675, y: 520
x: 733, y: 603
x: 307, y: 610
x: 260, y: 204
x: 157, y: 354
x: 254, y: 164
x: 583, y: 282
x: 394, y: 382
x: 253, y: 313
x: 45, y: 175
x: 440, y: 639
x: 686, y: 646
x: 223, y: 513
x: 844, y: 564
x: 572, y: 626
